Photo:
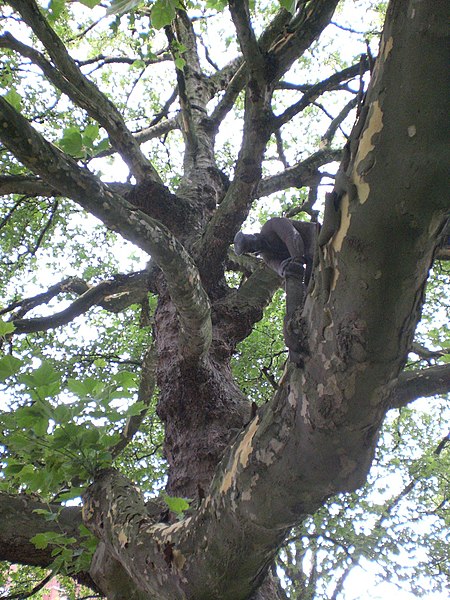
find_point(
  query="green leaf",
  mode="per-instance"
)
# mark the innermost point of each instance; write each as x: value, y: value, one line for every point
x: 218, y: 5
x: 138, y: 64
x: 47, y: 514
x: 90, y: 3
x: 289, y: 5
x: 101, y: 146
x: 175, y: 504
x: 92, y: 131
x: 9, y: 365
x: 62, y: 413
x: 13, y: 469
x: 119, y: 7
x: 36, y: 481
x: 72, y: 142
x: 45, y: 381
x: 14, y: 98
x: 89, y: 437
x: 55, y: 9
x: 86, y: 388
x: 180, y: 63
x: 135, y: 409
x: 32, y: 417
x: 42, y: 540
x: 163, y: 13
x: 5, y: 328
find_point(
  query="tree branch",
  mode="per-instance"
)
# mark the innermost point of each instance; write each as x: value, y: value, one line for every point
x: 336, y: 123
x: 20, y: 522
x: 161, y: 56
x: 81, y: 305
x: 30, y: 185
x: 71, y: 284
x: 300, y: 175
x: 232, y: 78
x: 150, y: 235
x: 254, y: 59
x: 318, y: 89
x: 303, y: 29
x: 248, y: 301
x: 69, y: 78
x: 22, y: 595
x: 113, y: 295
x: 411, y: 385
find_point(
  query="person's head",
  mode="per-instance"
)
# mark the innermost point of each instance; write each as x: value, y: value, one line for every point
x: 246, y: 243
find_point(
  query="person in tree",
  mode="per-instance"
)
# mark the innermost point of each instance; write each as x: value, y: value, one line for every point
x: 287, y: 247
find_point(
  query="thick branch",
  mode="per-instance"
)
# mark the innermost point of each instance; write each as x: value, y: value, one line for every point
x: 82, y: 91
x: 303, y: 29
x: 21, y: 307
x: 249, y: 302
x: 20, y: 523
x: 255, y: 63
x: 29, y: 185
x: 158, y: 130
x: 412, y: 385
x: 79, y: 184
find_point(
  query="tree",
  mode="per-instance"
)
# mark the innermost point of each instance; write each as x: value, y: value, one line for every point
x: 251, y: 473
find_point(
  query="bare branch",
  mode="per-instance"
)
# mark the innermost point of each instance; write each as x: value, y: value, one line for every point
x: 82, y: 91
x: 318, y: 89
x: 108, y: 60
x: 337, y: 122
x: 233, y: 89
x: 81, y: 305
x: 71, y: 284
x: 280, y: 149
x: 158, y: 130
x: 189, y: 129
x: 113, y: 295
x: 412, y: 385
x: 232, y: 78
x: 302, y: 174
x: 30, y: 185
x: 427, y: 354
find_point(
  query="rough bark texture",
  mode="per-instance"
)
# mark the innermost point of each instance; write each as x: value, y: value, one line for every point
x: 254, y: 481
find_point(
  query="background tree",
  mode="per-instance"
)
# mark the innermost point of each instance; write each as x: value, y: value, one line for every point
x: 82, y: 394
